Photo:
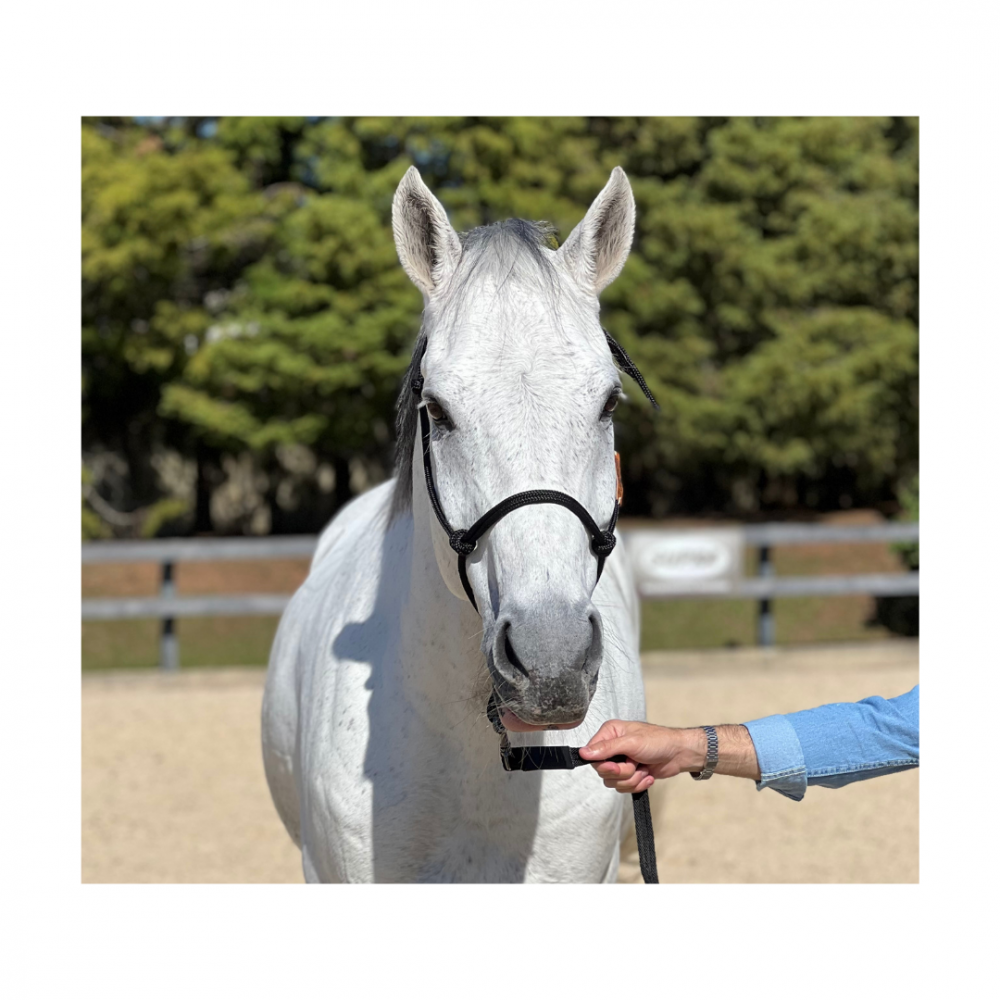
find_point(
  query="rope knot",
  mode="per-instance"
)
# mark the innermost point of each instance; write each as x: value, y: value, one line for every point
x: 457, y: 541
x: 605, y: 546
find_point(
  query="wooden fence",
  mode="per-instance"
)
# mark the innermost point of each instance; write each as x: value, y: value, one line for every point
x: 670, y: 564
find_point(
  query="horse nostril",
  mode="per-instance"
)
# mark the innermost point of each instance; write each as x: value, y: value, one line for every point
x: 512, y: 657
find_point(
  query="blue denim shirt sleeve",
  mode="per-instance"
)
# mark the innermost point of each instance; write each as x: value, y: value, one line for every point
x: 836, y: 744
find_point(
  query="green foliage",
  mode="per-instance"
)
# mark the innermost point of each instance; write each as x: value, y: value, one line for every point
x: 901, y: 615
x: 162, y: 514
x: 93, y: 527
x: 241, y: 291
x: 909, y: 498
x: 147, y: 522
x: 775, y: 306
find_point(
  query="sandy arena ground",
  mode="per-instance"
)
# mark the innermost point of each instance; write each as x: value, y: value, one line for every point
x: 174, y: 790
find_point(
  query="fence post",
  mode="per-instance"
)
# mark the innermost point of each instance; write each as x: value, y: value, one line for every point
x: 765, y: 616
x: 169, y: 650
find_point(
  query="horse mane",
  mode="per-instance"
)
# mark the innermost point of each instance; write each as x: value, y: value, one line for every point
x: 502, y: 247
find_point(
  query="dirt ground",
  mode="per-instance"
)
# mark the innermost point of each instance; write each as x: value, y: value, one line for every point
x: 174, y: 789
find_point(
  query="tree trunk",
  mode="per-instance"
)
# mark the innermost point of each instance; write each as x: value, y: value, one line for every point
x: 138, y: 452
x: 203, y: 490
x: 342, y: 481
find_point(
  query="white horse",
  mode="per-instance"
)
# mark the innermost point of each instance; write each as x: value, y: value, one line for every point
x: 377, y: 748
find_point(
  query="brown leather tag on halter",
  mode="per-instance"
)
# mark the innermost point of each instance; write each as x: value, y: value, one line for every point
x: 618, y: 471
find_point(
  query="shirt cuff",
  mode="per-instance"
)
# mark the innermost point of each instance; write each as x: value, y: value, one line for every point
x: 779, y: 756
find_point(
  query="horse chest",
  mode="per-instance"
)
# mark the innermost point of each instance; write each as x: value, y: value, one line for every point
x: 405, y: 808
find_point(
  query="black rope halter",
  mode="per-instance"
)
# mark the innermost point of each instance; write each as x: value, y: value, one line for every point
x: 602, y: 543
x: 464, y: 541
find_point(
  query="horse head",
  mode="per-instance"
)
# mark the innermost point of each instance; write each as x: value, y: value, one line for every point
x: 519, y: 387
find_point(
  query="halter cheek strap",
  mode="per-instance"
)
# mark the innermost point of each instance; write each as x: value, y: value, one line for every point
x: 464, y: 542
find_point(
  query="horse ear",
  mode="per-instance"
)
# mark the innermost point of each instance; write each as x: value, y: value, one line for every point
x: 596, y: 250
x: 428, y: 247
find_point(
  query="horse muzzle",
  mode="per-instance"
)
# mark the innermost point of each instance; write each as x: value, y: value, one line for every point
x: 544, y: 665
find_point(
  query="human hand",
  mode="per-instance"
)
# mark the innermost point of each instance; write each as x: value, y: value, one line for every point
x: 652, y: 751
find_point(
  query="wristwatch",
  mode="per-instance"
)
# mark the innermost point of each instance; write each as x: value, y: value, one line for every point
x: 712, y: 759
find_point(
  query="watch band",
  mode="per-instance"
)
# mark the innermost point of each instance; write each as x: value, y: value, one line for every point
x: 712, y: 758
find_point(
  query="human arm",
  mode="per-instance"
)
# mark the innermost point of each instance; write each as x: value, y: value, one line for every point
x: 836, y: 744
x: 832, y: 745
x: 663, y: 752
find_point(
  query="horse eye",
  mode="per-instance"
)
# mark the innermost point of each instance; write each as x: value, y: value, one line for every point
x: 436, y: 410
x: 609, y: 406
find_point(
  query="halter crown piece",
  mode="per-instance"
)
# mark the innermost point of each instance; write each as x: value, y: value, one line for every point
x: 543, y: 758
x: 464, y: 542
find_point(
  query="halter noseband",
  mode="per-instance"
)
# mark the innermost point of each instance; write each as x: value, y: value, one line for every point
x: 464, y: 541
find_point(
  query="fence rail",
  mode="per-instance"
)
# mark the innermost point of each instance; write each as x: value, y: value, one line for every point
x: 201, y: 549
x: 763, y: 587
x: 817, y: 534
x: 242, y: 605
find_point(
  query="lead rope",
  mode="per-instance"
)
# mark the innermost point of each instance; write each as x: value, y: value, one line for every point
x: 644, y: 836
x: 564, y: 758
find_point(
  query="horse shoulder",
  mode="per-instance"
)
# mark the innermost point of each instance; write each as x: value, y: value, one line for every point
x: 304, y: 689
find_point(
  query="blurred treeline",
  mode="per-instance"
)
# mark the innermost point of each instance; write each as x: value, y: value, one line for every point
x: 246, y: 322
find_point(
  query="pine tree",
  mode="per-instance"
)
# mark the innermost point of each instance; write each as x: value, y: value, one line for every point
x: 242, y: 295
